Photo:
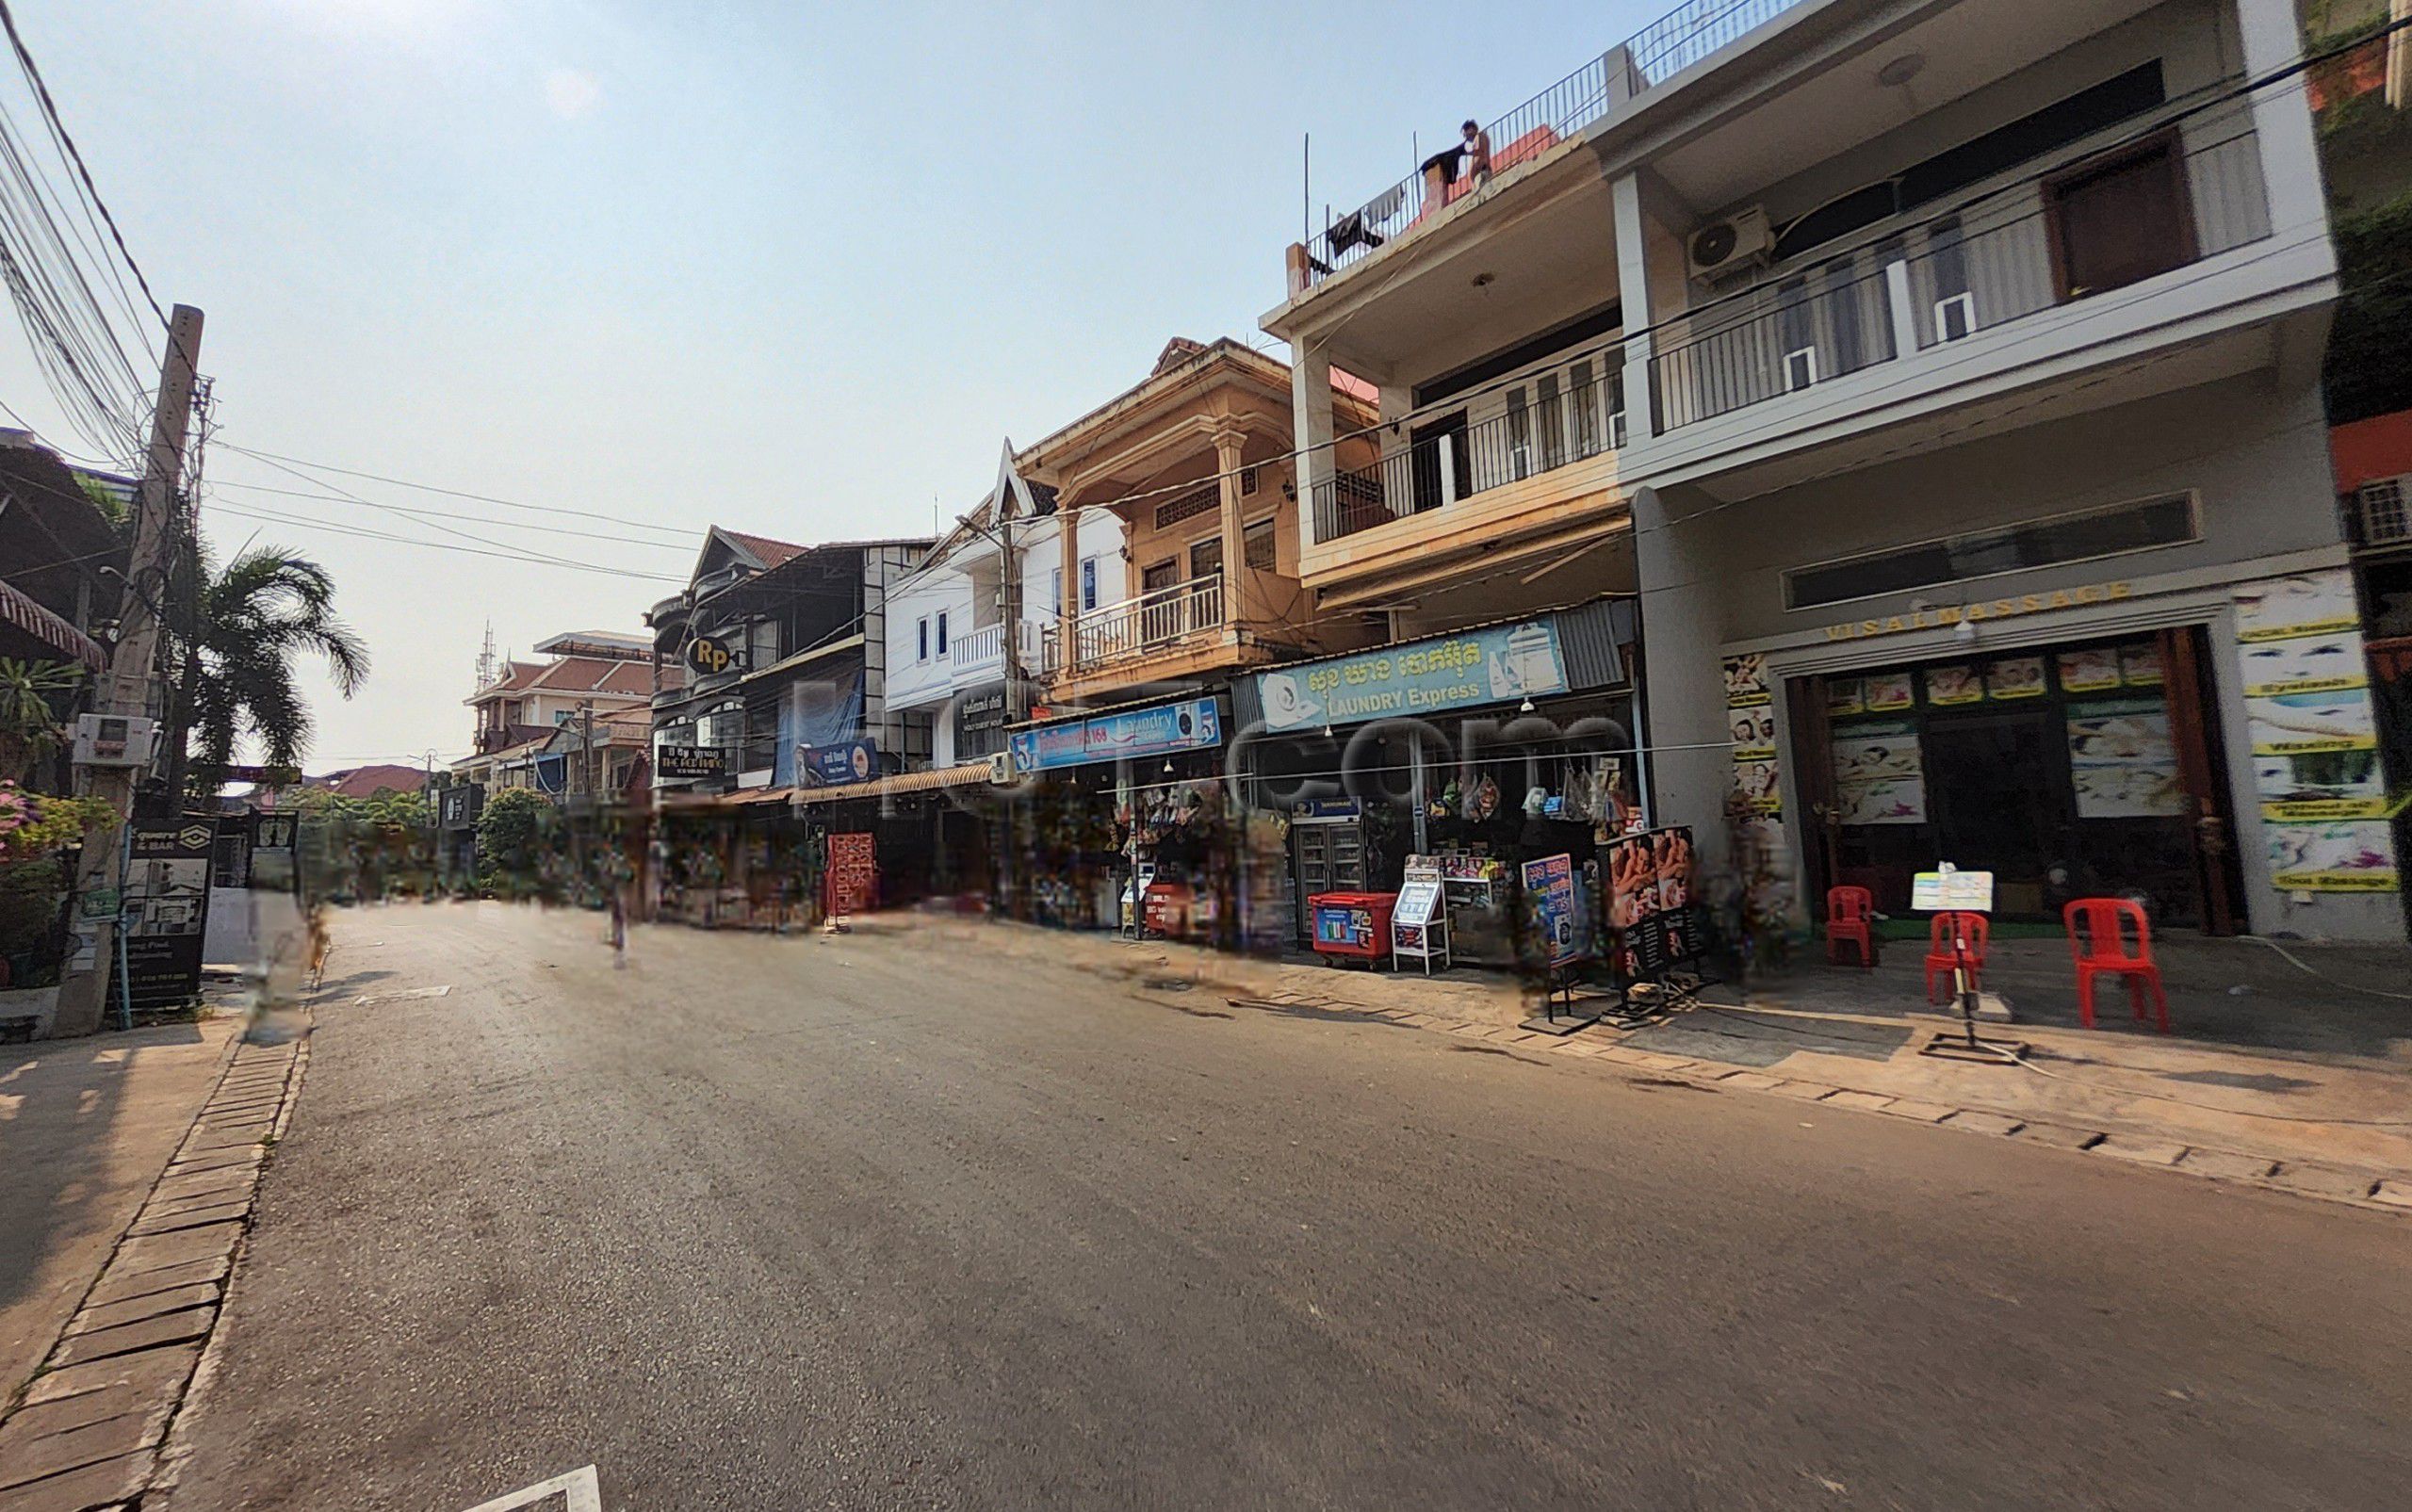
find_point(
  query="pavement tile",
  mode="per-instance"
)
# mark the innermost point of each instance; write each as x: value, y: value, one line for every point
x: 1867, y: 1102
x: 221, y: 1161
x: 2395, y: 1194
x: 1805, y: 1091
x: 1924, y: 1111
x: 149, y: 1372
x: 110, y: 1314
x: 170, y: 1220
x: 154, y: 1251
x: 212, y: 1190
x: 2225, y: 1164
x: 120, y: 1286
x: 39, y: 1420
x: 167, y: 1328
x: 1750, y: 1081
x: 1977, y: 1120
x: 27, y: 1455
x: 1655, y: 1062
x: 2140, y: 1150
x: 2322, y: 1180
x: 112, y: 1480
x: 2060, y: 1136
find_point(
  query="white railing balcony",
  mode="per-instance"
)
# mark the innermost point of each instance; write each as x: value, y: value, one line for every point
x: 1150, y: 623
x: 982, y: 647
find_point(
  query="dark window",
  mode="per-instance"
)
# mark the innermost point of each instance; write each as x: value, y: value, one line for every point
x: 2162, y: 522
x: 1552, y: 421
x: 1520, y: 434
x: 942, y: 632
x: 1599, y: 322
x: 1188, y: 506
x: 1424, y: 463
x: 1257, y: 547
x: 2120, y: 219
x: 1088, y: 584
x: 1206, y: 558
x: 1163, y: 575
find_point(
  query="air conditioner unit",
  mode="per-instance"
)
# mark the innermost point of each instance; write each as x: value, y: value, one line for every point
x: 114, y: 740
x: 1722, y: 247
x: 2387, y: 511
x: 1001, y: 767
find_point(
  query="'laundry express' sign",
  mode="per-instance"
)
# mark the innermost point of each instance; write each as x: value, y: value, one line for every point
x: 1487, y: 666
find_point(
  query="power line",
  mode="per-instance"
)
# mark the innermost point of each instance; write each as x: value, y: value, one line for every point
x: 66, y: 142
x: 365, y: 533
x: 443, y: 514
x: 453, y: 492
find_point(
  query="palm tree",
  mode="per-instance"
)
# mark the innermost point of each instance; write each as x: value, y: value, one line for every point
x: 238, y: 635
x: 29, y: 726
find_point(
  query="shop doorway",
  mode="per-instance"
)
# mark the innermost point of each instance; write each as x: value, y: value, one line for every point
x: 1997, y: 802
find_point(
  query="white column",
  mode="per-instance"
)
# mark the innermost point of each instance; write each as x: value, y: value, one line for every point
x: 2282, y: 124
x: 1311, y: 432
x: 1633, y: 290
x: 1683, y: 685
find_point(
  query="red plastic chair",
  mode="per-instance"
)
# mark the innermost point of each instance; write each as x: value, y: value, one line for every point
x: 2099, y: 929
x: 1974, y: 929
x: 1850, y: 913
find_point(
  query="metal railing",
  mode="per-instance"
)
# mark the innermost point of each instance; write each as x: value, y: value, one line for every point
x: 1656, y: 53
x: 1145, y: 624
x: 1542, y: 423
x: 1985, y: 263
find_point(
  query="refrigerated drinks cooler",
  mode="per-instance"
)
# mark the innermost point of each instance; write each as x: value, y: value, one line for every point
x: 1352, y: 925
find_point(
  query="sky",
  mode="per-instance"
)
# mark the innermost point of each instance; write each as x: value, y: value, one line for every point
x: 797, y: 269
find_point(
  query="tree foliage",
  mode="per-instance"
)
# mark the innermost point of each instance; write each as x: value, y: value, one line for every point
x: 512, y: 839
x: 2367, y: 371
x: 30, y: 724
x: 237, y: 636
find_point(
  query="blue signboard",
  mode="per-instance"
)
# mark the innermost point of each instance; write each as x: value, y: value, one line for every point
x: 1502, y: 665
x: 1191, y: 725
x: 834, y: 766
x: 1555, y: 900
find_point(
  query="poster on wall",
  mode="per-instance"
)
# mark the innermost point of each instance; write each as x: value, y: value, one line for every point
x: 1760, y: 786
x: 2307, y: 664
x: 2344, y: 856
x: 1883, y: 801
x: 2139, y: 665
x: 2090, y: 669
x: 1846, y: 696
x: 1889, y: 693
x: 2324, y: 784
x: 2015, y: 677
x: 1879, y: 774
x: 1556, y: 900
x: 2123, y: 761
x: 1754, y: 732
x: 1746, y: 681
x: 2308, y: 603
x: 1947, y: 686
x: 2301, y: 724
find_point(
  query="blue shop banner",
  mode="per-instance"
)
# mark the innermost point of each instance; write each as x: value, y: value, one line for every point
x: 835, y: 766
x: 1193, y: 725
x: 1504, y: 663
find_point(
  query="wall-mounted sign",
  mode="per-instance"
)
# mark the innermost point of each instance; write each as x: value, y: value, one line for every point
x: 167, y: 905
x: 836, y: 766
x: 710, y: 656
x: 980, y: 717
x: 1191, y: 725
x: 1501, y: 664
x: 682, y: 762
x: 276, y: 832
x: 1991, y: 608
x: 457, y: 808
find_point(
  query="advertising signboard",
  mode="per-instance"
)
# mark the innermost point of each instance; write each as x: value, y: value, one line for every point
x: 1191, y: 725
x: 1556, y: 907
x: 685, y: 761
x: 1501, y: 664
x: 166, y: 907
x: 835, y: 766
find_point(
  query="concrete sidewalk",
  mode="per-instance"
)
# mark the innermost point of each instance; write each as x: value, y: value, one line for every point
x: 2326, y: 1125
x: 86, y: 1127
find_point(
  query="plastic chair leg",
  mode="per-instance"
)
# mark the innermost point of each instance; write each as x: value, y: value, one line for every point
x: 2161, y: 1002
x: 2086, y: 995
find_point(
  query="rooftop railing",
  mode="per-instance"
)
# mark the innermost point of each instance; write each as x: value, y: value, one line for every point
x: 1652, y: 56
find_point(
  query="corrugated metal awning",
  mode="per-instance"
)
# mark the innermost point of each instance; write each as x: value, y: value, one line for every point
x: 899, y: 785
x: 48, y: 628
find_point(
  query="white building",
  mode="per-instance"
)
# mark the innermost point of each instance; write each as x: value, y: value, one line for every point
x: 1944, y: 378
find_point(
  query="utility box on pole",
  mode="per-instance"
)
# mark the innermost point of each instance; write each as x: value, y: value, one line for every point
x: 126, y: 693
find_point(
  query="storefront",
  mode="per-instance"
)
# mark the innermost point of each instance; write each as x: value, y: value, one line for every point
x: 1461, y: 756
x: 1119, y: 801
x: 2207, y: 748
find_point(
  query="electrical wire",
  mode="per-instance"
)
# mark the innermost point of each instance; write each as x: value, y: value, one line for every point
x: 453, y: 493
x: 444, y: 514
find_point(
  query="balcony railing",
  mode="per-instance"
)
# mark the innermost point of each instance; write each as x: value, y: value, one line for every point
x: 1150, y: 623
x: 1543, y: 426
x: 1984, y: 265
x: 1656, y: 53
x: 978, y: 648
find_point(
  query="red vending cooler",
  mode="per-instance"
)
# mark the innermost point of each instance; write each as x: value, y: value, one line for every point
x: 1353, y: 925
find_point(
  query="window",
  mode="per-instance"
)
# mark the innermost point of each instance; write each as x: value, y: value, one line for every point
x: 2107, y: 532
x: 1054, y: 592
x: 1423, y: 467
x: 1586, y: 400
x: 1258, y: 547
x: 922, y: 628
x: 1553, y: 421
x: 1163, y: 575
x: 1088, y: 584
x: 1188, y: 506
x: 1520, y: 434
x: 2119, y: 220
x: 1206, y: 559
x: 1247, y: 481
x: 942, y: 632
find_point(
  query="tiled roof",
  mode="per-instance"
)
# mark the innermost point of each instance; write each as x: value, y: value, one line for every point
x: 771, y: 552
x: 367, y: 782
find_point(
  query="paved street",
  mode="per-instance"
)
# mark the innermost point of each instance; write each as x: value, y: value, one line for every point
x: 875, y: 1221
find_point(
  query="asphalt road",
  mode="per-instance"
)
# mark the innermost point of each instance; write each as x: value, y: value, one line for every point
x: 881, y: 1221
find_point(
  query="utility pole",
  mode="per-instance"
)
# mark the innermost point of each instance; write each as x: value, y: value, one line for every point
x: 132, y: 672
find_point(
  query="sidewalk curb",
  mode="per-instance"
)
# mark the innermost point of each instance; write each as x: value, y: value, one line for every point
x: 93, y: 1428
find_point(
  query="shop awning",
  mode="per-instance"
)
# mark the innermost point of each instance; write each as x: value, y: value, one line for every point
x: 899, y: 785
x: 50, y: 629
x: 692, y: 802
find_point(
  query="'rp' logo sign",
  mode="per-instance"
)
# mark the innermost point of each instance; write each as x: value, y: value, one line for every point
x: 708, y: 655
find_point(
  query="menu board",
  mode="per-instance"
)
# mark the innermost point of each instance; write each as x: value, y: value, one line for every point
x: 2308, y: 717
x: 2015, y: 677
x: 1956, y: 684
x: 2124, y: 760
x: 1419, y: 904
x: 1880, y: 773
